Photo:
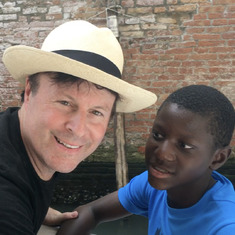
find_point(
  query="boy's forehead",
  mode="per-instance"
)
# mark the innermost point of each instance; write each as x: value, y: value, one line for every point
x: 173, y: 115
x: 170, y: 107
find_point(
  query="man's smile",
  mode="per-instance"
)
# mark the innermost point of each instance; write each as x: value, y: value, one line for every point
x: 66, y: 145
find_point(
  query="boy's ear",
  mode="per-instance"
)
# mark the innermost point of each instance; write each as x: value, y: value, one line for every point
x: 220, y: 157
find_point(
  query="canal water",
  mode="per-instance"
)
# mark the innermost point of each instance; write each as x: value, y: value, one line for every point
x: 90, y: 181
x: 133, y: 225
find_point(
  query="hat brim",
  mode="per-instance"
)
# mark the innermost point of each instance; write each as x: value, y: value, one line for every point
x: 22, y: 61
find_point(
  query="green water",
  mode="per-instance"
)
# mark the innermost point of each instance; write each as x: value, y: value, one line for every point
x: 132, y: 225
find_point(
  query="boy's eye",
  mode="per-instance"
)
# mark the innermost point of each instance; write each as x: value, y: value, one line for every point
x: 157, y: 136
x: 185, y: 146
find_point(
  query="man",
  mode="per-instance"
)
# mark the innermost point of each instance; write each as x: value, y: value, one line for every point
x: 72, y: 86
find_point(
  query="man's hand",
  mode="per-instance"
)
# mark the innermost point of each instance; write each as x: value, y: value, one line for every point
x: 55, y: 218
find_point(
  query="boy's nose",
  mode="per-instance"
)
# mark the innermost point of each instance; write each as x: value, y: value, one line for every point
x: 166, y: 151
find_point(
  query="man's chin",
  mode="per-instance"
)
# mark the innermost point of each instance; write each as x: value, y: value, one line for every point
x: 66, y: 169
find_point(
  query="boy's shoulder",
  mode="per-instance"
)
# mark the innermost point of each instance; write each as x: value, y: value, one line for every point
x: 223, y: 190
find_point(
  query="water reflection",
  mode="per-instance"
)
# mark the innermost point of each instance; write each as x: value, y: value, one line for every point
x: 131, y: 225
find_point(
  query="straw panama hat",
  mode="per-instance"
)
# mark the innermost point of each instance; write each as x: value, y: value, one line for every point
x: 83, y: 50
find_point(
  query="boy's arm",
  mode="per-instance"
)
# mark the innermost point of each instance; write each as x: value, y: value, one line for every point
x: 104, y: 209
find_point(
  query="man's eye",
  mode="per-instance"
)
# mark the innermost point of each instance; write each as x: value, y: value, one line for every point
x: 64, y: 102
x: 97, y: 113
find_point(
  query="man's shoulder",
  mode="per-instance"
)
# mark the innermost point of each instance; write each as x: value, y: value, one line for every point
x: 9, y: 111
x: 9, y: 126
x: 8, y: 115
x: 10, y: 138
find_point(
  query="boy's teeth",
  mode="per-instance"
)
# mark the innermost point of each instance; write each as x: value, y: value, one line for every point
x: 163, y: 171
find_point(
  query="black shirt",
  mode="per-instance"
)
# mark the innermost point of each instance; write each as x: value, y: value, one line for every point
x: 24, y: 197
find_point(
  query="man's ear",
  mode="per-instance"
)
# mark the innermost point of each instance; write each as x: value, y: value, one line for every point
x: 220, y: 157
x: 27, y: 90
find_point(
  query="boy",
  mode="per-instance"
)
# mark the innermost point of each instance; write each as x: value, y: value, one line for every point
x: 180, y: 193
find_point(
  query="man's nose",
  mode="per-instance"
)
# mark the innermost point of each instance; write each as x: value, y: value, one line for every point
x: 77, y: 124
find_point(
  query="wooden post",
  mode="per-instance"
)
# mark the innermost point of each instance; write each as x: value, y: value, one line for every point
x: 120, y: 158
x: 119, y: 130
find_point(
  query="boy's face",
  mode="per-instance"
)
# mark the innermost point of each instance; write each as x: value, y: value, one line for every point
x: 179, y: 150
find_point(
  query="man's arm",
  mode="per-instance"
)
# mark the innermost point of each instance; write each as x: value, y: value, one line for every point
x: 104, y: 209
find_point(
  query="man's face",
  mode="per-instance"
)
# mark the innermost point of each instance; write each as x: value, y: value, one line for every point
x: 61, y: 125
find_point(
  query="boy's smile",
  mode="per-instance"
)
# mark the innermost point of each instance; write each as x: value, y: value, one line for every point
x: 179, y: 152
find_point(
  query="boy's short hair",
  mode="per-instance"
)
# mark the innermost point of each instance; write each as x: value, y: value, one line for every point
x: 209, y: 103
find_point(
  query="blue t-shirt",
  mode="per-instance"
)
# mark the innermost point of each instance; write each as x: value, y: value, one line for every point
x: 213, y: 214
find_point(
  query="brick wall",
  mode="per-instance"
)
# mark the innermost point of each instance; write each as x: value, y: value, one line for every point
x: 167, y: 44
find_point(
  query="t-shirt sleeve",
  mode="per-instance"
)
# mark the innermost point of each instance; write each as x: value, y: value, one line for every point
x: 227, y: 230
x: 134, y: 197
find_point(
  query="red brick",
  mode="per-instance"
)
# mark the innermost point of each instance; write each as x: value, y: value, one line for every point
x: 212, y: 9
x: 179, y: 51
x: 201, y: 16
x: 206, y: 36
x: 223, y: 2
x: 231, y: 43
x: 197, y: 23
x: 181, y: 57
x: 229, y: 35
x: 210, y: 43
x: 127, y: 3
x: 203, y: 57
x: 220, y: 22
x: 195, y: 30
x: 218, y: 29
